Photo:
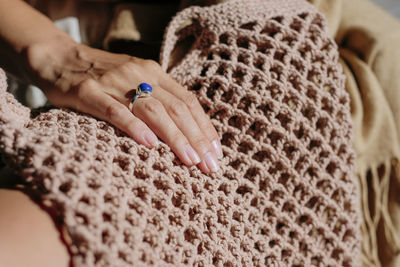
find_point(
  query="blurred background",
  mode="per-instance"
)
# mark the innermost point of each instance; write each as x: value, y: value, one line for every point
x: 393, y: 6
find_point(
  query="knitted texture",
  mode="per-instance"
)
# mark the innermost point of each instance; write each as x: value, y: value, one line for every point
x: 268, y: 76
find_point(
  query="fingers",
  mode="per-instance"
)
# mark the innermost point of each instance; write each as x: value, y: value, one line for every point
x: 201, y: 118
x: 161, y: 83
x: 172, y: 113
x: 183, y: 119
x: 93, y: 101
x: 155, y: 115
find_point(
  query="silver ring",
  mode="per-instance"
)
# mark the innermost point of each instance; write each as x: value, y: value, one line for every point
x: 143, y: 90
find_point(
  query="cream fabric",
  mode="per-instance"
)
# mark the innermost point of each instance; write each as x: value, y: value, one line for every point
x: 369, y: 41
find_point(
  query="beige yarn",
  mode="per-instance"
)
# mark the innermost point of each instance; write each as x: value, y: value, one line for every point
x: 268, y: 75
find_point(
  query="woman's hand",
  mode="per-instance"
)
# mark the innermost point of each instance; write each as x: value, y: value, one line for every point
x: 100, y: 83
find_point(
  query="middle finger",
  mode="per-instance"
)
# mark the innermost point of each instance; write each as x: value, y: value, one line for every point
x: 184, y: 120
x: 152, y: 112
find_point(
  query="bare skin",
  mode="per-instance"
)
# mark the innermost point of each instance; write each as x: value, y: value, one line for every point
x: 98, y: 83
x: 28, y: 234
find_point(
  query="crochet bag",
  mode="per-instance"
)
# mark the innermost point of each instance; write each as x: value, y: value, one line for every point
x: 268, y: 75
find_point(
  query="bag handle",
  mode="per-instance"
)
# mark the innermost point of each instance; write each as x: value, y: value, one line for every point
x: 171, y: 34
x: 13, y: 115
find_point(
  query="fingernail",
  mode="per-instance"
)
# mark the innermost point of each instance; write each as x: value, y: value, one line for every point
x: 211, y: 162
x: 204, y: 167
x: 218, y: 149
x: 193, y: 156
x: 151, y: 138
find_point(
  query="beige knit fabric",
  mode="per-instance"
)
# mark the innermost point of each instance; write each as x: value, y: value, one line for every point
x: 268, y: 75
x: 369, y: 41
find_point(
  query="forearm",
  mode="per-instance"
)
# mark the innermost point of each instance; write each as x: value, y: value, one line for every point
x: 21, y: 28
x: 100, y: 83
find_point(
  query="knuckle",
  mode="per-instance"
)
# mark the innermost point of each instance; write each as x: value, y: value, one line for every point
x: 211, y: 132
x: 150, y: 106
x: 86, y: 88
x: 178, y: 108
x: 110, y: 77
x: 177, y: 138
x: 151, y: 65
x: 128, y: 67
x: 191, y: 101
x: 200, y: 142
x: 114, y: 111
x: 208, y: 128
x: 90, y: 84
x: 136, y: 125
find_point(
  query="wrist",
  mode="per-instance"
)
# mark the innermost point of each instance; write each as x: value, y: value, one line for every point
x: 46, y: 59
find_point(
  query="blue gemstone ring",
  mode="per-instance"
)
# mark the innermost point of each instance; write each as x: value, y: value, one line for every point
x: 143, y: 90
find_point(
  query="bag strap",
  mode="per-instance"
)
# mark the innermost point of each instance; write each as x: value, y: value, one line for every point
x: 13, y: 115
x: 171, y: 36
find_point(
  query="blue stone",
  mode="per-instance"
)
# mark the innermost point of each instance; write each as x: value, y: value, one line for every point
x: 146, y: 88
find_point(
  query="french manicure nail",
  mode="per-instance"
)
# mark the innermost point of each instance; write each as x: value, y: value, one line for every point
x: 191, y: 153
x: 203, y: 165
x: 218, y: 149
x: 211, y: 162
x: 151, y: 138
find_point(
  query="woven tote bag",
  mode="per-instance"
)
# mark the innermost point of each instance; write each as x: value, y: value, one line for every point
x: 267, y: 74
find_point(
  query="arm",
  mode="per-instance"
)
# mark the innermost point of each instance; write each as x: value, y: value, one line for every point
x: 16, y: 37
x: 97, y: 82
